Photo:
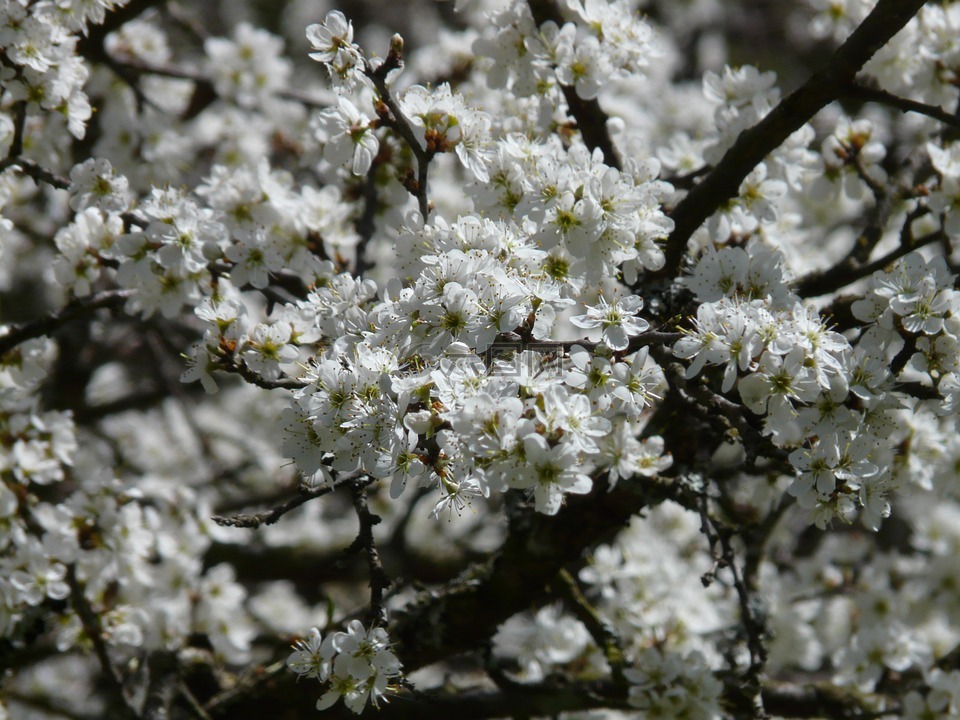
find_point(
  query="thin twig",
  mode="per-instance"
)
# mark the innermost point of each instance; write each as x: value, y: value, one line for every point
x: 163, y: 670
x: 862, y: 92
x: 269, y: 517
x: 365, y: 224
x: 28, y: 167
x: 37, y: 172
x: 754, y: 626
x: 602, y: 631
x: 93, y: 629
x: 75, y: 308
x: 399, y: 122
x: 590, y: 117
x: 643, y: 340
x: 378, y: 577
x: 239, y: 367
x: 193, y: 705
x: 828, y: 281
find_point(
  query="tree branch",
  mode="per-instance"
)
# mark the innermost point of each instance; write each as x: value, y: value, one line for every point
x: 269, y: 517
x: 590, y: 117
x: 75, y: 308
x: 754, y: 144
x: 163, y: 669
x: 860, y: 91
x: 463, y: 615
x: 393, y: 117
x: 600, y: 630
x: 237, y: 366
x: 28, y: 167
x: 827, y: 281
x: 304, y: 494
x: 91, y: 626
x: 365, y: 541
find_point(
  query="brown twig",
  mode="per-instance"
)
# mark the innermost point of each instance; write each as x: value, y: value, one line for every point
x: 237, y: 366
x: 379, y: 581
x: 28, y: 167
x: 269, y: 517
x: 860, y: 91
x: 754, y: 627
x: 828, y: 281
x: 94, y: 631
x: 75, y: 308
x: 600, y: 630
x: 393, y: 117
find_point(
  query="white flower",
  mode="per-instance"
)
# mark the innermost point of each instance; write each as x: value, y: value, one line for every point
x: 347, y: 136
x: 573, y: 415
x: 651, y: 460
x: 268, y: 349
x: 94, y: 184
x: 358, y: 665
x: 445, y: 123
x: 41, y: 577
x: 542, y: 642
x: 618, y: 321
x: 312, y: 657
x: 583, y: 66
x: 550, y: 473
x: 328, y: 39
x: 249, y: 68
x: 457, y: 496
x: 778, y: 379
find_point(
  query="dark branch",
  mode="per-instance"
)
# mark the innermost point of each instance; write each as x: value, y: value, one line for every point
x: 643, y: 340
x: 269, y: 517
x: 28, y: 167
x: 379, y: 581
x: 366, y: 224
x: 830, y: 280
x: 239, y: 367
x: 465, y: 614
x: 394, y: 118
x: 163, y: 670
x: 754, y: 144
x: 882, y: 97
x: 74, y: 309
x: 590, y: 117
x: 91, y: 626
x: 600, y: 630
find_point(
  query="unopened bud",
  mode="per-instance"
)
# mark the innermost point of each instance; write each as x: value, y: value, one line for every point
x: 396, y: 49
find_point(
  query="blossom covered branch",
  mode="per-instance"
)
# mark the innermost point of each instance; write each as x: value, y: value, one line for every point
x: 525, y: 341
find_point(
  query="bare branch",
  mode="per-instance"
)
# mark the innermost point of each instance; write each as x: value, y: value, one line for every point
x: 602, y: 631
x: 239, y: 367
x: 269, y: 517
x: 393, y: 117
x: 860, y: 91
x: 365, y: 541
x: 91, y: 626
x: 163, y: 669
x: 74, y: 309
x: 843, y: 274
x: 28, y: 167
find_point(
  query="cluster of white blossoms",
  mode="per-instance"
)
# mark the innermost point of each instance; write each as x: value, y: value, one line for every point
x: 674, y: 686
x: 356, y: 665
x: 442, y: 296
x: 42, y: 67
x: 602, y: 41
